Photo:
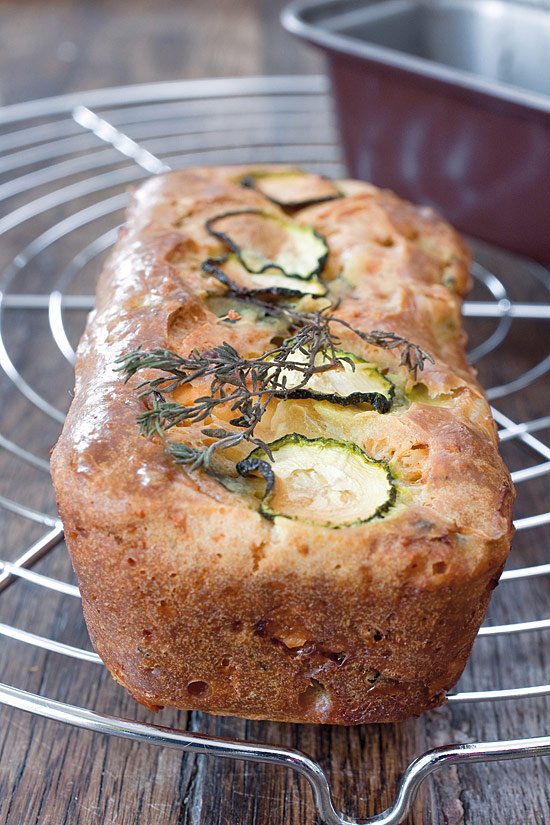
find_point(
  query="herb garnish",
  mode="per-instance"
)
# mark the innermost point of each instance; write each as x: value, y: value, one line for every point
x: 247, y: 385
x: 412, y: 356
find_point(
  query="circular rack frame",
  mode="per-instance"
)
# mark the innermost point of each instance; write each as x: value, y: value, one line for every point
x: 65, y: 164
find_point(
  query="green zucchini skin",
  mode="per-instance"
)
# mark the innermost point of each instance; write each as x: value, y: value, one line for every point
x: 251, y: 180
x: 252, y: 464
x: 212, y: 266
x: 257, y: 458
x: 377, y: 401
x: 230, y: 243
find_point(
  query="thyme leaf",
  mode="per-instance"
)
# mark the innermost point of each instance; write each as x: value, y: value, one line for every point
x: 184, y: 454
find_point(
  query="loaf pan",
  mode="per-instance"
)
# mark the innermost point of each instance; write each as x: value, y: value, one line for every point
x: 448, y: 103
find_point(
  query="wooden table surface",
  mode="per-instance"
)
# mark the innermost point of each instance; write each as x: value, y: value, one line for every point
x: 51, y: 774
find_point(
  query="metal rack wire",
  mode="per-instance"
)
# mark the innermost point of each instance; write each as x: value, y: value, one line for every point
x: 64, y: 166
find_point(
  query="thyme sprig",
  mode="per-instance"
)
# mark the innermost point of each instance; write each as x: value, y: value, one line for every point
x: 412, y: 356
x: 244, y: 385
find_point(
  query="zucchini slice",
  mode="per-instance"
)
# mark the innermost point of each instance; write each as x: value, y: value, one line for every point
x: 322, y: 481
x: 355, y: 382
x: 262, y: 241
x: 230, y: 271
x: 231, y: 310
x: 292, y: 189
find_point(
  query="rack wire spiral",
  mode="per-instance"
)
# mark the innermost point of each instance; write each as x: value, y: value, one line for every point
x: 65, y: 164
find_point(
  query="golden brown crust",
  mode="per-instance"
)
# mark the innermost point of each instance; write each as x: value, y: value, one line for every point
x: 191, y: 597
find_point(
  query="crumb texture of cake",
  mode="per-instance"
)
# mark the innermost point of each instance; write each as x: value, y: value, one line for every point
x: 279, y: 478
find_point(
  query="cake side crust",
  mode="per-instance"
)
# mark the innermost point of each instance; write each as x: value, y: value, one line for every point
x: 191, y: 597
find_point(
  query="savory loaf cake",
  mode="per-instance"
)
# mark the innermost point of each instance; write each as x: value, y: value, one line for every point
x: 279, y: 478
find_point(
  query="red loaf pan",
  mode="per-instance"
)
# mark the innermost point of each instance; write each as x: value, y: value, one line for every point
x: 448, y: 103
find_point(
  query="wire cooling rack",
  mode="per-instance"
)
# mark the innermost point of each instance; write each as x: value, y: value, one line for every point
x: 65, y: 166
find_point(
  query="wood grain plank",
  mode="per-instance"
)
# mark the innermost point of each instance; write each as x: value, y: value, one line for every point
x: 52, y: 774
